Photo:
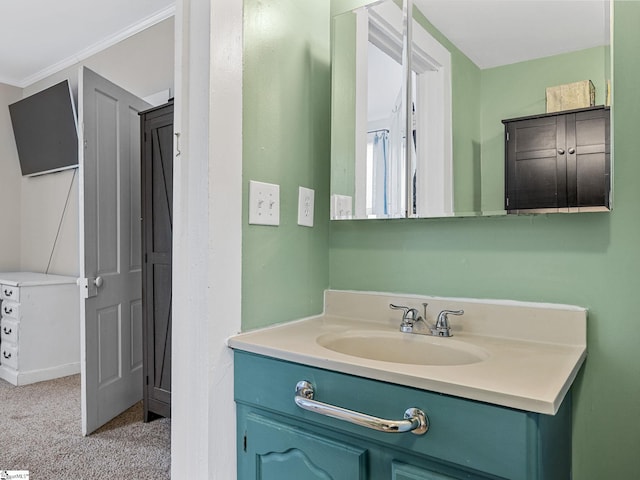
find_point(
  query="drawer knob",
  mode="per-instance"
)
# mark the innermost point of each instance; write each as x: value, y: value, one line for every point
x: 8, y: 292
x: 6, y: 355
x: 8, y: 310
x: 7, y: 331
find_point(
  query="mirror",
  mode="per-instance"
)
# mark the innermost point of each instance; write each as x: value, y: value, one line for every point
x: 465, y: 81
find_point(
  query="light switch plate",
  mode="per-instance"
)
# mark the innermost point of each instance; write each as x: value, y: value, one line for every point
x: 264, y: 203
x: 341, y: 207
x: 305, y: 206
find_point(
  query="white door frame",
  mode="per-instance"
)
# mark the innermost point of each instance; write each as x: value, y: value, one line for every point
x: 207, y: 236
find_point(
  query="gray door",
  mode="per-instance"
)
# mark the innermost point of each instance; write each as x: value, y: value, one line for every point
x: 110, y: 249
x: 157, y: 222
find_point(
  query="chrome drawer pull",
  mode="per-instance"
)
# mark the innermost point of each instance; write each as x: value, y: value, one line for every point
x: 415, y: 420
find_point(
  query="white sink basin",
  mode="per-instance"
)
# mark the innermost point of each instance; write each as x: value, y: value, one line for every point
x: 407, y: 348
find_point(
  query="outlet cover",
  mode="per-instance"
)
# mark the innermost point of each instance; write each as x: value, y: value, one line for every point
x: 305, y: 206
x: 264, y: 203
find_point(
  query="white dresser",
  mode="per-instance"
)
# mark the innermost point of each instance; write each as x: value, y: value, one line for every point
x: 39, y: 327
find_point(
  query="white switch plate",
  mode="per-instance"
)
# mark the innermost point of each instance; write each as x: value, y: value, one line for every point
x: 305, y: 206
x: 341, y: 207
x: 264, y: 203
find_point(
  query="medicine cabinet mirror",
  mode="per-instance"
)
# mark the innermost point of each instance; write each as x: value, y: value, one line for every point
x: 473, y: 64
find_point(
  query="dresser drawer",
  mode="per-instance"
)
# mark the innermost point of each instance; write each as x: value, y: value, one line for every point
x: 9, y: 292
x: 9, y: 330
x: 10, y: 310
x: 9, y: 355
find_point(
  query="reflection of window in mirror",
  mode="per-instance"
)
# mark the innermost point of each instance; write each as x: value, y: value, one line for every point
x: 385, y: 166
x: 383, y: 181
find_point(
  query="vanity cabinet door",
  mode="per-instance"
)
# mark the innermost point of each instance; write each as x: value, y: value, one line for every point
x: 272, y: 450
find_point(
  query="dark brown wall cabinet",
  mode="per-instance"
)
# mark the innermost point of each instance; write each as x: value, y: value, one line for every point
x: 157, y: 219
x: 558, y: 162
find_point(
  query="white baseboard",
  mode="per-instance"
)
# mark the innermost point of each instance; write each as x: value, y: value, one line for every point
x: 24, y: 378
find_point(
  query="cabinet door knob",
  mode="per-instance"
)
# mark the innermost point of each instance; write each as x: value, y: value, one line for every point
x: 572, y: 150
x: 6, y: 355
x: 561, y: 151
x: 7, y: 331
x: 8, y: 293
x: 8, y: 311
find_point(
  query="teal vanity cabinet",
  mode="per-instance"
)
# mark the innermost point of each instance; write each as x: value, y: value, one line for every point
x: 277, y: 440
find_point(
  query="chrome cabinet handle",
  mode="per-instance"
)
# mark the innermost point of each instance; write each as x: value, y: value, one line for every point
x: 415, y: 420
x: 8, y: 311
x: 7, y: 332
x: 561, y: 151
x: 8, y: 293
x: 572, y: 151
x: 6, y: 355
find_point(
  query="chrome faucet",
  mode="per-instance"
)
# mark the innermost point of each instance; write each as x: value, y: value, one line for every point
x: 411, y: 316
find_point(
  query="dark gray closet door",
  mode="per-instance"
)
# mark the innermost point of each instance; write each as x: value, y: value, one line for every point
x: 157, y: 221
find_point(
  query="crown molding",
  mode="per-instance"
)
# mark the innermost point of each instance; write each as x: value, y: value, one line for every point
x: 87, y: 52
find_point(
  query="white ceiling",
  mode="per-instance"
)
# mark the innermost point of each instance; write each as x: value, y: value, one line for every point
x: 40, y: 37
x: 501, y: 32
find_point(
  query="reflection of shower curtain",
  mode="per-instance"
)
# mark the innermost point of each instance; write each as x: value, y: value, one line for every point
x: 386, y: 185
x: 396, y: 176
x: 379, y: 141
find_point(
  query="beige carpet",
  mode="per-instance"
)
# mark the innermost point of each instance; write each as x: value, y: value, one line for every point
x: 40, y: 432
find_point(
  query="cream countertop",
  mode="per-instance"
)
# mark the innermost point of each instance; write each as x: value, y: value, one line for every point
x: 533, y: 351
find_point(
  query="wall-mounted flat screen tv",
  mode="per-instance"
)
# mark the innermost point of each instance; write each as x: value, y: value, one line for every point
x: 45, y: 129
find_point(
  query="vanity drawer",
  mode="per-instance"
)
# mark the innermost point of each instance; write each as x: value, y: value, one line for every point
x: 9, y: 292
x: 10, y: 310
x: 477, y: 436
x: 9, y: 355
x: 9, y: 330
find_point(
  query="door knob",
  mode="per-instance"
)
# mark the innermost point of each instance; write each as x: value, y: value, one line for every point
x: 561, y: 151
x: 98, y: 281
x: 572, y: 150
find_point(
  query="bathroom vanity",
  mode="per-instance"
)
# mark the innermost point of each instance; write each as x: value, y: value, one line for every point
x: 495, y: 396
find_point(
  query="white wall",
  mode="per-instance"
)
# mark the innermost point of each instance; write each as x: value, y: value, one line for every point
x: 207, y: 237
x: 142, y: 64
x: 9, y: 184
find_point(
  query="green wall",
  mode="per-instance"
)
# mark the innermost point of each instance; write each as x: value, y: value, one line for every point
x: 343, y: 104
x: 286, y: 123
x: 592, y: 260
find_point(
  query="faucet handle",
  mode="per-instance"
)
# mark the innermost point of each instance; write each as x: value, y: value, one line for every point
x: 442, y: 317
x: 409, y: 317
x: 409, y: 312
x: 442, y: 328
x: 399, y: 307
